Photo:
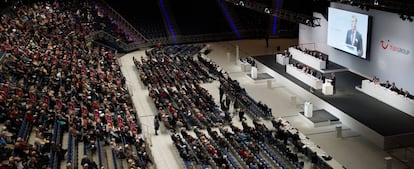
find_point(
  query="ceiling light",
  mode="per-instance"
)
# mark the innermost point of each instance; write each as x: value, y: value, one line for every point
x: 266, y: 10
x: 241, y: 3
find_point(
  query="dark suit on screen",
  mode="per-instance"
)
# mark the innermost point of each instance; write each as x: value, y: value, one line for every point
x: 357, y: 41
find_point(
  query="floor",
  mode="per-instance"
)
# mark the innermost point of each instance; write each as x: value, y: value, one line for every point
x: 352, y: 150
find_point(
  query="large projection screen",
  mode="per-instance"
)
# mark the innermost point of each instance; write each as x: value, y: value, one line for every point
x: 348, y: 31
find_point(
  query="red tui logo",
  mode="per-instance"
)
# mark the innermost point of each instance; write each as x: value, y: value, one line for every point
x: 382, y: 44
x: 386, y: 45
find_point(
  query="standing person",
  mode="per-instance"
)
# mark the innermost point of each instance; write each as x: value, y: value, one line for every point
x: 223, y: 105
x: 354, y: 38
x: 221, y: 91
x: 236, y: 106
x: 333, y: 82
x: 241, y: 114
x: 156, y: 124
x: 227, y: 101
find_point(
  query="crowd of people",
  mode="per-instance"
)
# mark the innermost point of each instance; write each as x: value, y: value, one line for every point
x: 316, y: 74
x: 183, y: 106
x: 173, y: 80
x: 391, y: 86
x: 248, y: 60
x: 54, y: 81
x: 289, y: 142
x: 309, y: 70
x: 314, y: 53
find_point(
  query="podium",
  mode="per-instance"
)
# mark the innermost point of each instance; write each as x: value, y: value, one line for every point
x: 308, y: 109
x: 248, y: 67
x: 350, y: 49
x: 254, y: 72
x: 327, y: 88
x: 281, y: 59
x: 245, y: 67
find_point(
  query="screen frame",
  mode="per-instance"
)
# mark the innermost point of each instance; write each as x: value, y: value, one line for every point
x: 368, y: 35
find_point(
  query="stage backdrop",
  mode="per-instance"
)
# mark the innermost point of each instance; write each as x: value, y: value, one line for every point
x: 391, y: 55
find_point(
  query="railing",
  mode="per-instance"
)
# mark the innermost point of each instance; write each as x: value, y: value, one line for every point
x: 100, y: 161
x: 181, y: 39
x: 53, y: 163
x: 75, y: 152
x: 23, y: 129
x: 122, y: 20
x: 3, y: 55
x: 97, y: 35
x: 114, y: 159
x: 69, y: 156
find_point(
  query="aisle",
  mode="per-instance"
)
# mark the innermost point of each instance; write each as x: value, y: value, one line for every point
x: 162, y: 147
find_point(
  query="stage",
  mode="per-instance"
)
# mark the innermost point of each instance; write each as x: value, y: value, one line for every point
x: 386, y: 126
x: 321, y: 118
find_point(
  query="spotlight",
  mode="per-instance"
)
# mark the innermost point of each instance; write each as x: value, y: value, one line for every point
x: 266, y: 10
x: 241, y: 3
x: 376, y: 2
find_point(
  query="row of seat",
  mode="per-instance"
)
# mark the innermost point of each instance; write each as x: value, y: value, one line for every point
x: 159, y: 70
x: 252, y: 111
x: 272, y: 155
x: 230, y: 157
x: 289, y: 143
x: 185, y: 151
x: 57, y: 139
x: 31, y: 57
x: 219, y: 154
x: 262, y: 160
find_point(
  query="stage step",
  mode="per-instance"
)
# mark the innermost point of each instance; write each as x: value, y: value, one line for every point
x: 320, y: 118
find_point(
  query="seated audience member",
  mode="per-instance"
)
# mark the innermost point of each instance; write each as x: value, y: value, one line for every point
x: 320, y: 56
x: 298, y: 65
x: 305, y: 69
x: 408, y: 95
x: 401, y: 91
x: 393, y: 87
x: 386, y: 84
x: 276, y: 122
x: 375, y: 80
x: 319, y: 75
x: 312, y: 72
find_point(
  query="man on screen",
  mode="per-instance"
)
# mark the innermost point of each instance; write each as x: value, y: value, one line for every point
x: 354, y: 38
